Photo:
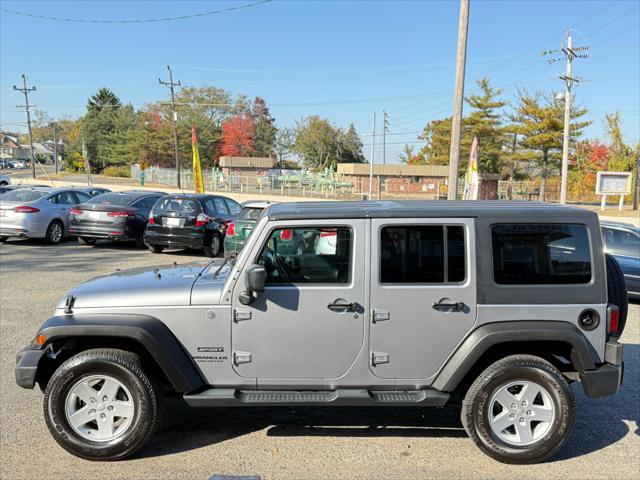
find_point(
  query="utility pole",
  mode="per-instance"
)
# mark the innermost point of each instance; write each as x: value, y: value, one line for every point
x: 171, y: 84
x: 55, y: 145
x: 373, y: 154
x: 26, y: 106
x: 458, y: 99
x: 636, y: 189
x: 385, y: 129
x: 570, y: 54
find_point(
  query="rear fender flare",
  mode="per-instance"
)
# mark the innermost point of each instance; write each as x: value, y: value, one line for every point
x: 491, y: 334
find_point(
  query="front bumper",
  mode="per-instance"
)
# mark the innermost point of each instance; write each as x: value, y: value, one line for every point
x: 27, y: 361
x: 607, y: 378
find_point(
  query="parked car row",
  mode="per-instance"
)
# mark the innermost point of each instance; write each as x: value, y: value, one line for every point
x: 147, y: 218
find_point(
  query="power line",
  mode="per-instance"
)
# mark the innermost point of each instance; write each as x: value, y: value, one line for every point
x: 138, y: 20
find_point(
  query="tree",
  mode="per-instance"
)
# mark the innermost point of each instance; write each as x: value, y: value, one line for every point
x: 485, y: 122
x: 322, y: 145
x: 238, y: 135
x: 539, y: 122
x: 98, y: 124
x: 103, y: 99
x: 265, y: 129
x: 315, y: 142
x: 437, y: 136
x: 349, y: 146
x: 284, y: 140
x: 622, y: 157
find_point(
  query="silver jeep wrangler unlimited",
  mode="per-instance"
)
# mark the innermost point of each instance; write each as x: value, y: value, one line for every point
x: 502, y: 305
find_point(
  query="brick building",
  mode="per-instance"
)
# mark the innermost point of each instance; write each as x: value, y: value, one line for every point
x: 402, y: 180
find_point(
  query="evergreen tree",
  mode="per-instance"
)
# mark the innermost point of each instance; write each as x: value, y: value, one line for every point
x: 485, y: 122
x: 265, y: 129
x: 539, y: 122
x: 350, y: 147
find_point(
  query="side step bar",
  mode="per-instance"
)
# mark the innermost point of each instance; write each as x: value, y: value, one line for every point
x: 230, y: 397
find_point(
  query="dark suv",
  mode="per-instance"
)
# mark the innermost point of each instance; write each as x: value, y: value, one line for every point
x: 190, y: 221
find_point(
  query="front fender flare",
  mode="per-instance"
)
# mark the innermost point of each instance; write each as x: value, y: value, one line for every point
x: 148, y: 331
x: 488, y: 335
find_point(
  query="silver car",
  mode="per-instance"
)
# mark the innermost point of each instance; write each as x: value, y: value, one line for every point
x: 40, y: 212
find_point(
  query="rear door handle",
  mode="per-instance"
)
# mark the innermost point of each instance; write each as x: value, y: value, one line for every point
x: 344, y: 307
x: 453, y: 307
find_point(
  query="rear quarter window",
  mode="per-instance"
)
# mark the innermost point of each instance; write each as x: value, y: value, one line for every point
x: 541, y: 254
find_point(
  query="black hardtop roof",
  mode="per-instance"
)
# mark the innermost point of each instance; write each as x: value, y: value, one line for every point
x: 526, y: 211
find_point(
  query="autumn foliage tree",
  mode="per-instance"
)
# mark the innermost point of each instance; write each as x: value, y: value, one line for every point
x: 238, y: 134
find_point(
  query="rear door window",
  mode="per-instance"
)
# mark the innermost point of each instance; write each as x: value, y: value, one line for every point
x: 233, y: 206
x: 621, y: 242
x: 541, y: 254
x: 250, y: 214
x: 220, y: 206
x: 81, y: 197
x: 63, y: 198
x: 422, y: 254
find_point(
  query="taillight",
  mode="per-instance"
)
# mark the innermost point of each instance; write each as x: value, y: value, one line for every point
x: 26, y: 209
x: 231, y: 229
x: 202, y: 220
x: 613, y: 315
x: 76, y: 211
x: 327, y: 234
x: 120, y: 214
x: 286, y: 234
x: 152, y: 220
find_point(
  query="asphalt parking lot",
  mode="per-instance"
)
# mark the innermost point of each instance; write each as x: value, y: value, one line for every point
x: 314, y: 443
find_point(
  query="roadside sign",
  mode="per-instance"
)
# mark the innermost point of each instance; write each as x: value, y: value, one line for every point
x: 613, y: 183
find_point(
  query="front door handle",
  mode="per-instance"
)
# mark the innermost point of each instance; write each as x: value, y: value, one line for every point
x: 453, y: 307
x: 344, y: 307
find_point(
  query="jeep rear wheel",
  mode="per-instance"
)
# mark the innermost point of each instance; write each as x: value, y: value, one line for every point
x: 102, y: 405
x: 519, y: 410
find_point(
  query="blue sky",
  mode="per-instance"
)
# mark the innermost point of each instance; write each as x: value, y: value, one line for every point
x: 339, y: 59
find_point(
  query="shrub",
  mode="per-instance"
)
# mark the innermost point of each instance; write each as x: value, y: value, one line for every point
x: 124, y: 172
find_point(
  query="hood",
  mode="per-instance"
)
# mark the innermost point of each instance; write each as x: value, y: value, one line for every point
x: 141, y: 287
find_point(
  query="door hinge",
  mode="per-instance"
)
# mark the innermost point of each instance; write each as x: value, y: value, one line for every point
x: 379, y: 315
x: 378, y: 358
x: 240, y: 315
x: 241, y: 357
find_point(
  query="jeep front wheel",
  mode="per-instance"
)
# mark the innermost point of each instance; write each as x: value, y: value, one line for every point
x: 519, y: 410
x: 102, y: 405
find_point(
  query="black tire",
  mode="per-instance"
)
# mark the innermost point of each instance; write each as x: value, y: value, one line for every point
x: 87, y: 240
x: 617, y: 290
x: 476, y: 405
x: 54, y: 233
x: 140, y: 241
x: 3, y: 239
x: 214, y: 249
x: 127, y: 368
x: 155, y: 248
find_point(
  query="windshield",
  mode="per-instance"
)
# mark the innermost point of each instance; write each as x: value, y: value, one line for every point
x: 112, y: 199
x: 185, y: 206
x: 23, y: 195
x: 250, y: 213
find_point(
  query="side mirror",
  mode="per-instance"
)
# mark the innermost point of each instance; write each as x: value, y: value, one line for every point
x: 255, y: 278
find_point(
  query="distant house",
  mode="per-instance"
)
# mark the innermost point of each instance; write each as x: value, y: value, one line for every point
x: 246, y: 165
x: 11, y: 148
